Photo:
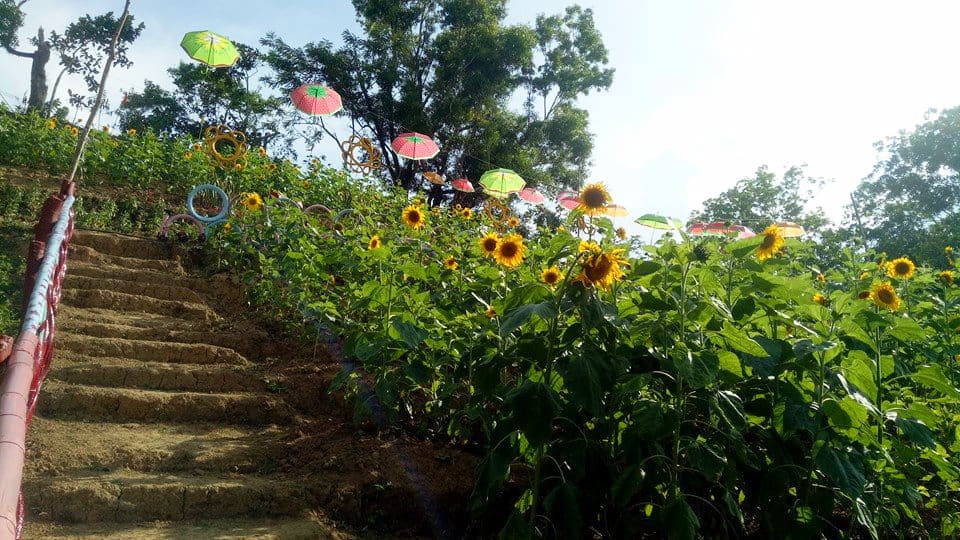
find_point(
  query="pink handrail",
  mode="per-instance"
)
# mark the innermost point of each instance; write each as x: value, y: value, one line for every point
x: 27, y: 366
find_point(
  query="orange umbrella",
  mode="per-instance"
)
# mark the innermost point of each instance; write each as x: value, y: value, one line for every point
x: 615, y: 211
x: 434, y: 178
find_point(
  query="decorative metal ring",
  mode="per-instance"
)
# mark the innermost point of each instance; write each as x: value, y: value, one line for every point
x: 224, y: 204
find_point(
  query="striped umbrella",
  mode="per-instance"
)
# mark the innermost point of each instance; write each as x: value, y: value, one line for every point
x: 662, y: 223
x: 210, y: 48
x: 501, y: 182
x: 464, y: 185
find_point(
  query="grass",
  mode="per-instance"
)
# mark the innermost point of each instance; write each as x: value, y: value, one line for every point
x: 14, y: 238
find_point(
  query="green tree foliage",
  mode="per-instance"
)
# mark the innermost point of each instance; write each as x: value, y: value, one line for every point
x: 450, y: 69
x: 763, y: 199
x: 202, y: 96
x: 910, y: 204
x: 84, y: 45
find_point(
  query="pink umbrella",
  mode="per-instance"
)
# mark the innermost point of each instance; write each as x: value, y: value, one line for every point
x: 415, y: 146
x: 713, y: 228
x: 569, y: 199
x: 316, y: 99
x: 531, y: 195
x: 462, y: 184
x: 742, y: 231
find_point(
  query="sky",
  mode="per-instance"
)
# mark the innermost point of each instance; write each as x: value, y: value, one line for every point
x: 705, y: 91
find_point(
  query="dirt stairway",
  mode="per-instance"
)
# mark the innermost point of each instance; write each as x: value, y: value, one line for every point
x: 154, y: 422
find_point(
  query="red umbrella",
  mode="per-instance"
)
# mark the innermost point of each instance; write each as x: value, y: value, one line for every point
x: 316, y: 99
x: 713, y: 228
x: 462, y: 184
x: 531, y: 195
x: 415, y: 146
x: 569, y: 199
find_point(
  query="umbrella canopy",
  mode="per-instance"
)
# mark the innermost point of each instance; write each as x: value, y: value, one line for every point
x: 569, y: 199
x: 615, y: 211
x: 501, y: 182
x: 742, y: 231
x: 210, y: 48
x: 790, y: 229
x: 464, y: 185
x: 415, y: 146
x: 531, y: 195
x: 662, y: 223
x: 714, y: 228
x: 316, y: 99
x: 434, y: 178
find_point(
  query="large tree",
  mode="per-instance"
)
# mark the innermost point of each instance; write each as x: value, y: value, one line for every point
x: 762, y: 199
x: 451, y: 69
x: 202, y: 96
x: 82, y: 47
x: 910, y: 204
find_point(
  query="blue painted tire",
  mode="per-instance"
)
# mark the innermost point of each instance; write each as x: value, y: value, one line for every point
x: 224, y: 203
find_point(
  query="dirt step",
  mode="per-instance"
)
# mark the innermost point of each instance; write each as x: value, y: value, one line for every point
x: 117, y: 328
x: 68, y: 315
x: 124, y: 246
x: 125, y: 373
x: 102, y: 271
x: 80, y: 402
x: 195, y: 448
x: 152, y: 290
x: 148, y: 351
x: 130, y: 302
x: 285, y: 529
x: 127, y: 496
x: 90, y: 255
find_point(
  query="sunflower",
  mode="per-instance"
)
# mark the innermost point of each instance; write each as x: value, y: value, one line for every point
x: 821, y: 278
x: 451, y: 263
x: 74, y: 131
x: 413, y: 216
x: 586, y: 245
x: 238, y: 167
x: 561, y: 229
x: 948, y: 249
x: 594, y: 199
x: 602, y: 269
x: 885, y: 296
x: 946, y: 276
x: 466, y: 213
x: 306, y: 184
x: 771, y: 244
x: 52, y: 123
x: 621, y: 233
x: 551, y: 276
x: 188, y: 155
x: 513, y: 222
x: 435, y: 210
x: 252, y: 201
x: 374, y: 242
x: 490, y: 312
x: 132, y: 132
x: 821, y: 299
x: 902, y: 268
x: 105, y: 128
x: 227, y: 227
x: 488, y: 244
x: 509, y: 250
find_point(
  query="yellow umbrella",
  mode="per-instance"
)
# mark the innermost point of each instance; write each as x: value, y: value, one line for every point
x: 615, y: 211
x: 790, y: 229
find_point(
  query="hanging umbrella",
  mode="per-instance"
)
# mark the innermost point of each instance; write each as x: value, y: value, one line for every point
x: 501, y: 182
x: 434, y: 178
x: 531, y: 195
x: 742, y: 231
x: 615, y: 211
x: 415, y: 146
x: 210, y: 48
x: 790, y: 229
x: 464, y: 185
x: 316, y: 99
x: 715, y: 228
x: 569, y: 199
x: 662, y: 223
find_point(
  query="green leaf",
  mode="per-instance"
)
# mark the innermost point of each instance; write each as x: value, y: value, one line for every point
x: 743, y: 247
x: 517, y: 527
x: 518, y: 317
x: 411, y: 334
x: 858, y: 368
x: 626, y: 485
x: 906, y: 330
x: 699, y: 370
x: 564, y: 511
x: 730, y: 365
x: 843, y: 470
x: 589, y: 378
x: 730, y: 407
x: 865, y: 517
x: 933, y: 376
x: 678, y: 520
x: 845, y: 414
x: 534, y: 407
x: 740, y: 341
x: 915, y: 431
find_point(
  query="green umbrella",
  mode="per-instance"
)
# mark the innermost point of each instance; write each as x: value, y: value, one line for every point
x: 501, y: 182
x: 210, y: 48
x: 662, y: 223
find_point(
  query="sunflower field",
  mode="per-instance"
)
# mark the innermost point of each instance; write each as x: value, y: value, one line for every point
x: 694, y: 387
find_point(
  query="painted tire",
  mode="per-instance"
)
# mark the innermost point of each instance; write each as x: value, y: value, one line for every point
x: 224, y: 203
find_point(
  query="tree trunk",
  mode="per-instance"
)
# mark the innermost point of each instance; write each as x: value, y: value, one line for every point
x: 38, y: 74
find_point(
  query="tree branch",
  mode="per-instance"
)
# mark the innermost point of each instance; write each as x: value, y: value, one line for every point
x: 15, y: 52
